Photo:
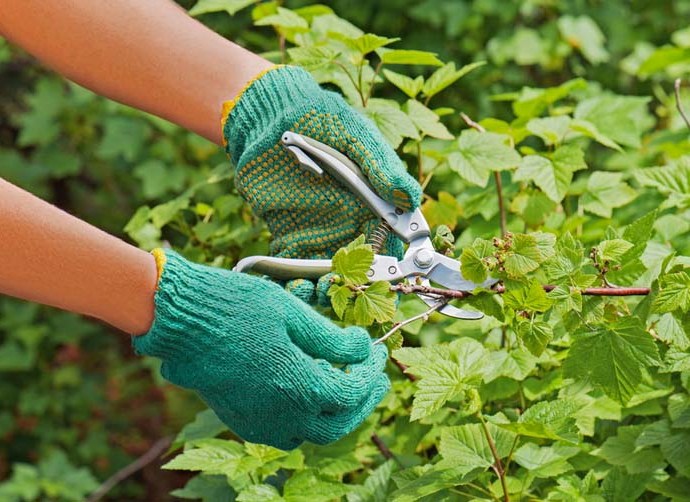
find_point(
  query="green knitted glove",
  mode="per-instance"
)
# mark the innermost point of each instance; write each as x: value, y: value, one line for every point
x: 259, y: 357
x: 309, y: 216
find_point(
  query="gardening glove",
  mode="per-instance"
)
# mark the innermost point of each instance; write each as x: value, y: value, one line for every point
x: 309, y: 216
x: 259, y: 357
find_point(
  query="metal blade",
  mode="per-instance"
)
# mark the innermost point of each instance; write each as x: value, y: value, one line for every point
x: 446, y: 272
x: 449, y: 310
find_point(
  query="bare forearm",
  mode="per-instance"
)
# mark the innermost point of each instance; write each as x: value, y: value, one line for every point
x: 148, y: 54
x: 51, y: 257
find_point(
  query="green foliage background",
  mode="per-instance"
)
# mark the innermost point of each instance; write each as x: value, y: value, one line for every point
x: 584, y: 399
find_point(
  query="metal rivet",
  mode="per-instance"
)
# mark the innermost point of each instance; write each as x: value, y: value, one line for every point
x: 414, y: 226
x: 424, y: 258
x: 370, y: 272
x: 392, y: 270
x: 398, y: 211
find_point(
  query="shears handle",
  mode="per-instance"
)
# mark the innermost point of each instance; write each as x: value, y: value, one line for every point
x: 317, y: 157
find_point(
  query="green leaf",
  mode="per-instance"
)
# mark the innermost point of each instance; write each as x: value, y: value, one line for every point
x: 409, y: 86
x: 547, y: 461
x: 340, y: 296
x: 612, y: 357
x: 621, y: 118
x: 446, y: 76
x: 533, y: 102
x: 516, y: 364
x: 473, y: 261
x: 612, y: 250
x: 444, y: 372
x: 285, y: 18
x: 663, y: 58
x: 551, y: 129
x: 589, y: 130
x: 310, y: 486
x: 622, y: 449
x: 606, y: 191
x: 391, y: 120
x: 229, y: 6
x: 353, y: 261
x: 466, y: 446
x: 479, y: 153
x: 672, y: 180
x: 583, y: 34
x: 259, y: 493
x: 205, y: 488
x: 211, y: 456
x: 524, y: 255
x: 679, y: 411
x: 535, y: 335
x: 553, y: 175
x: 531, y: 298
x: 619, y: 486
x: 403, y: 56
x: 364, y: 44
x: 673, y: 294
x: 205, y: 425
x: 375, y: 303
x: 548, y: 420
x: 375, y: 487
x: 426, y: 120
x: 444, y: 211
x: 675, y: 449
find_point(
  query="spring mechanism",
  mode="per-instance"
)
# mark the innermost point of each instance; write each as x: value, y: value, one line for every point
x: 378, y: 236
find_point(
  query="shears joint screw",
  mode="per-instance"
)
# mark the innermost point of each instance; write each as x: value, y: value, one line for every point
x: 424, y: 258
x: 392, y: 270
x: 370, y: 272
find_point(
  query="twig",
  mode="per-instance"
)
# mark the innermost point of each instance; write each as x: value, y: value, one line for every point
x: 408, y: 289
x: 498, y: 465
x: 679, y: 104
x: 152, y: 454
x: 373, y: 82
x: 398, y: 325
x: 501, y: 205
x: 383, y: 448
x: 472, y: 123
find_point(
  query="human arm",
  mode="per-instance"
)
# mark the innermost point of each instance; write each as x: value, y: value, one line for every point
x: 150, y: 55
x: 268, y: 377
x: 51, y: 257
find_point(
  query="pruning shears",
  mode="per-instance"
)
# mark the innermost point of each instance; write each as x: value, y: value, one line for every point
x: 421, y: 264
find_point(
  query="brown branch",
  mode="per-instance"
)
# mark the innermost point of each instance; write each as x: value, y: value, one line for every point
x: 152, y: 454
x: 383, y: 448
x: 472, y: 123
x: 408, y: 289
x: 679, y: 104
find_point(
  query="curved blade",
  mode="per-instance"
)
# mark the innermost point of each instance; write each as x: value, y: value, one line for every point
x: 449, y: 310
x: 446, y: 272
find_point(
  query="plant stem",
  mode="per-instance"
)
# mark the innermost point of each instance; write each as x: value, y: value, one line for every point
x: 501, y: 204
x: 399, y: 325
x: 152, y: 454
x: 383, y: 448
x: 679, y: 104
x: 351, y: 78
x: 420, y: 170
x: 408, y: 289
x: 498, y: 465
x: 373, y: 82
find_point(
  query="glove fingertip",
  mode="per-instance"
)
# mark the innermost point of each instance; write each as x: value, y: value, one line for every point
x: 302, y: 289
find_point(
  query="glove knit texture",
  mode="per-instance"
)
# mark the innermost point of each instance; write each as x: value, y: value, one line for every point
x: 310, y: 216
x: 260, y: 357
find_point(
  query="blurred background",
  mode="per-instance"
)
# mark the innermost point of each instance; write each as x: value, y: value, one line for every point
x: 75, y: 404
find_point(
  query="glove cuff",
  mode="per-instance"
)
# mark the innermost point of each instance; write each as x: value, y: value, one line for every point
x: 181, y: 294
x: 262, y: 103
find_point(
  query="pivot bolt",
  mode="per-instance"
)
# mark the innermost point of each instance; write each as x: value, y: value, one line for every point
x: 424, y: 258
